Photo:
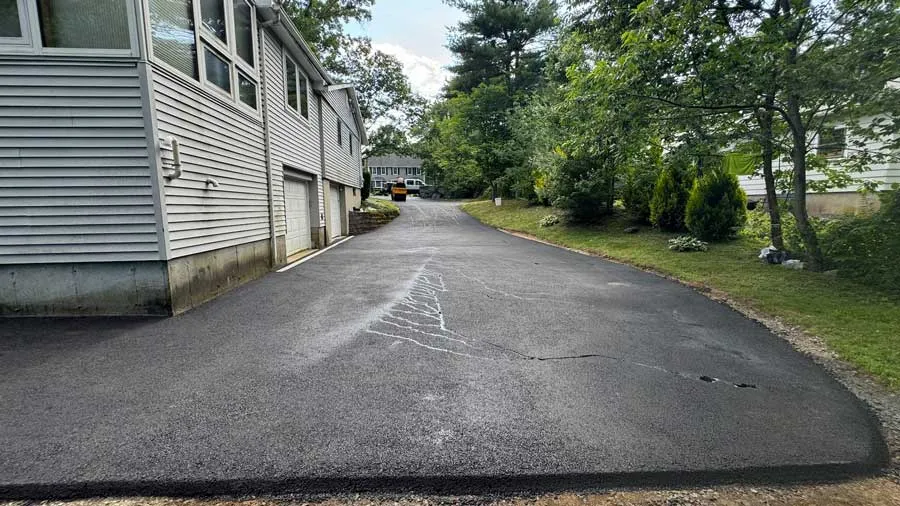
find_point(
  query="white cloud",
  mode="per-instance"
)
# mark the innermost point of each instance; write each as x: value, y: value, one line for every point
x: 426, y: 75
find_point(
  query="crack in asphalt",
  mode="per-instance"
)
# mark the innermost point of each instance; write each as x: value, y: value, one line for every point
x: 418, y: 318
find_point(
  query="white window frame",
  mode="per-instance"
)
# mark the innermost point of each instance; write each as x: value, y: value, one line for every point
x: 204, y: 36
x: 340, y: 132
x: 24, y: 27
x: 300, y: 72
x: 31, y: 41
x: 836, y: 156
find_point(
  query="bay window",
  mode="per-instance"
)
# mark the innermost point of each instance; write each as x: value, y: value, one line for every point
x: 210, y: 41
x: 74, y: 27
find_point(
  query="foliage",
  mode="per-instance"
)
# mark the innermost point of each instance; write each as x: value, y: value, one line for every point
x: 367, y: 185
x: 389, y: 140
x: 500, y: 42
x: 382, y: 207
x: 549, y: 220
x: 859, y: 321
x: 584, y: 188
x: 670, y: 196
x: 866, y: 248
x: 637, y: 192
x: 717, y: 206
x: 687, y: 243
x: 321, y: 22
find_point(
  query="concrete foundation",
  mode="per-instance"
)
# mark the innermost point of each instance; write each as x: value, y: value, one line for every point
x: 84, y: 289
x: 198, y: 278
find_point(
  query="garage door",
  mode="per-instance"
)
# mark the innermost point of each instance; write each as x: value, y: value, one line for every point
x: 336, y: 211
x: 296, y: 201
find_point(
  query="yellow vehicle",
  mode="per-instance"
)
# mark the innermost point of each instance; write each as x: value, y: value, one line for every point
x: 398, y: 191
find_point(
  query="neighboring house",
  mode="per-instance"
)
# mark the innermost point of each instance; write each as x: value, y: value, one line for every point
x: 833, y: 144
x: 386, y: 169
x: 157, y: 153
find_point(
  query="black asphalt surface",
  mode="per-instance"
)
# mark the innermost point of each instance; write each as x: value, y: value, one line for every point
x: 435, y: 354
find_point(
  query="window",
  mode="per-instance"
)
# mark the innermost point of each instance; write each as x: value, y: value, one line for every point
x: 243, y: 31
x: 340, y: 132
x: 297, y: 87
x: 246, y: 90
x: 68, y: 26
x: 173, y: 35
x: 350, y: 137
x: 212, y: 12
x: 395, y: 171
x: 12, y: 20
x: 832, y: 143
x: 211, y: 41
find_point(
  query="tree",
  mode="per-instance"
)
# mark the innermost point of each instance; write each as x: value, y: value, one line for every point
x: 804, y: 64
x: 321, y: 22
x: 500, y: 41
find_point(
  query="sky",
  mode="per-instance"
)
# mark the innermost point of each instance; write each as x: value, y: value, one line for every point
x: 415, y: 32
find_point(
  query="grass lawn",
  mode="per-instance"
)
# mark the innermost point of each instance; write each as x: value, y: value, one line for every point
x: 862, y: 325
x: 380, y: 205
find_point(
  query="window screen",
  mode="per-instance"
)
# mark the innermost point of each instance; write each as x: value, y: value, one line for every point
x: 9, y: 19
x: 84, y: 24
x: 243, y: 31
x: 172, y: 24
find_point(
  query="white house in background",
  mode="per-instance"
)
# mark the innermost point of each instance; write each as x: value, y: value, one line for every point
x: 388, y: 168
x: 835, y: 145
x: 157, y: 153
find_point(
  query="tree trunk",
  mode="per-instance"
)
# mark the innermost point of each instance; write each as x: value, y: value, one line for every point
x: 815, y: 259
x: 765, y: 118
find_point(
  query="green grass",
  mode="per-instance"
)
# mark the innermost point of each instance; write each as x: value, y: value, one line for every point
x: 862, y: 325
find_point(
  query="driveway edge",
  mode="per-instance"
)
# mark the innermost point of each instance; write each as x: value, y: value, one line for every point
x: 883, y: 404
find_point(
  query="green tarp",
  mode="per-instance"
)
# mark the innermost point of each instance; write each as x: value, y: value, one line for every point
x: 741, y: 164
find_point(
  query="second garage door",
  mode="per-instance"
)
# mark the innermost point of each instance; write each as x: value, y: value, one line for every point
x: 336, y: 212
x: 296, y: 201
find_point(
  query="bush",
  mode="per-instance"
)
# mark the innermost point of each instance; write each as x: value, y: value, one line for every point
x: 717, y: 206
x: 866, y: 248
x: 687, y: 243
x: 549, y: 220
x: 367, y: 185
x: 638, y: 191
x: 670, y: 195
x: 583, y: 187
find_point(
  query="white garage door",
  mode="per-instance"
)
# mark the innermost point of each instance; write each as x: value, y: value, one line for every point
x: 296, y: 201
x: 336, y: 211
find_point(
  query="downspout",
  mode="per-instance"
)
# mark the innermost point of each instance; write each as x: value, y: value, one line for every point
x: 322, y: 216
x: 273, y: 255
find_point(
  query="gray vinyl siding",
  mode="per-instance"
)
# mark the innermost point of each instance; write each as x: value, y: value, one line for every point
x: 75, y: 181
x: 294, y: 140
x: 217, y: 141
x: 340, y: 166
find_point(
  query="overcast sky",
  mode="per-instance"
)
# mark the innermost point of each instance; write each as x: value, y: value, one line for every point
x: 416, y: 33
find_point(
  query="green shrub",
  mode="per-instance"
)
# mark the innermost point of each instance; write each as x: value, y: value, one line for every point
x: 717, y: 206
x: 866, y: 248
x: 583, y: 187
x: 367, y: 185
x: 687, y: 243
x: 670, y: 195
x: 549, y: 220
x: 638, y: 191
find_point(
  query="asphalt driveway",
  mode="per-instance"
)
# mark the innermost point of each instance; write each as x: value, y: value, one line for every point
x: 434, y: 354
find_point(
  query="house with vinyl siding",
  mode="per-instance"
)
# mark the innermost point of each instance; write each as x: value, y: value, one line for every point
x: 157, y: 153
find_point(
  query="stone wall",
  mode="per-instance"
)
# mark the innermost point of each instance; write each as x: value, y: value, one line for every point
x: 362, y: 222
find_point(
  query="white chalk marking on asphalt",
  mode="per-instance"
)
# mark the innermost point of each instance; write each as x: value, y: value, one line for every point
x: 314, y: 255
